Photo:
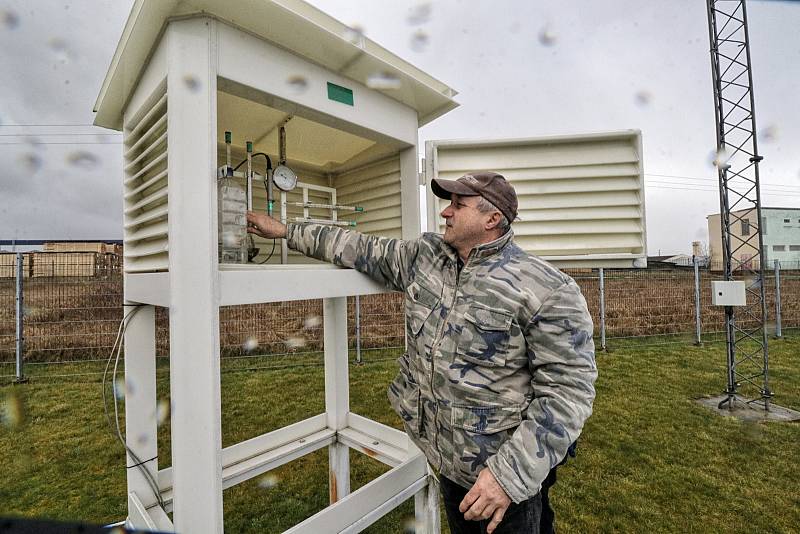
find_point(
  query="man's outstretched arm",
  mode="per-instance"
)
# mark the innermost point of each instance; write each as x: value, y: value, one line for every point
x: 388, y: 261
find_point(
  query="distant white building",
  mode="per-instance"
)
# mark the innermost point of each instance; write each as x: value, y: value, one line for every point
x: 780, y: 228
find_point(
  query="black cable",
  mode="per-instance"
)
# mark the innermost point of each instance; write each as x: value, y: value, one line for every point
x: 142, y: 462
x: 266, y: 190
x: 269, y: 161
x: 271, y: 252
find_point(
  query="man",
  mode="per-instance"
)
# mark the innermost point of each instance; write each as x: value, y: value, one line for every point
x: 498, y: 378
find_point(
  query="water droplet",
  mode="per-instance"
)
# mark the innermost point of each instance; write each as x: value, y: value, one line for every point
x: 419, y: 41
x: 119, y: 388
x: 191, y: 82
x: 268, y: 481
x: 769, y: 134
x: 354, y: 35
x: 9, y: 19
x: 298, y: 84
x: 410, y: 525
x: 312, y: 321
x: 250, y: 344
x: 383, y: 80
x: 719, y: 158
x: 643, y: 98
x: 30, y: 161
x: 231, y: 239
x: 419, y: 14
x: 59, y: 46
x: 547, y: 37
x: 296, y: 342
x: 162, y: 411
x: 12, y: 410
x: 82, y: 159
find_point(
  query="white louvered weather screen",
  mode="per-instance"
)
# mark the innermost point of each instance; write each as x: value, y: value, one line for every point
x: 145, y: 191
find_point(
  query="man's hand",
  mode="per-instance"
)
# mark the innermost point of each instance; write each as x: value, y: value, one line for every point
x: 265, y: 226
x: 485, y: 499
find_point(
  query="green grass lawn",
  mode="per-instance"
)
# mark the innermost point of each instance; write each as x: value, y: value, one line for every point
x: 650, y: 459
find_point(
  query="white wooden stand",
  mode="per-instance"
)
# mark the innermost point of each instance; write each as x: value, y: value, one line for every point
x: 187, y: 64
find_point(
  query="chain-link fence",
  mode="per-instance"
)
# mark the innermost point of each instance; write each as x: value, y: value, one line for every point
x: 72, y: 306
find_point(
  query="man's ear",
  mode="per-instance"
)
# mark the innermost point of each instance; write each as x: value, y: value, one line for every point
x: 493, y: 221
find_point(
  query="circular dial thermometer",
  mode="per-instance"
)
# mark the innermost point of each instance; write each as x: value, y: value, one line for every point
x: 284, y: 178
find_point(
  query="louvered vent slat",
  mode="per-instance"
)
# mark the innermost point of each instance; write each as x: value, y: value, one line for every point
x: 146, y: 190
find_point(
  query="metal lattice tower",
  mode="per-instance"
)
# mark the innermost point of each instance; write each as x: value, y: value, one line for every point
x: 740, y: 198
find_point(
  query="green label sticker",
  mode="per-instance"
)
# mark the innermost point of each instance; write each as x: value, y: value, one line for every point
x: 337, y: 93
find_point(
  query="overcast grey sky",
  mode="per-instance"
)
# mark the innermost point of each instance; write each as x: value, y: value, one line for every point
x: 523, y: 68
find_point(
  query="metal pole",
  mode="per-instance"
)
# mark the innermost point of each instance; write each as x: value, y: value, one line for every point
x: 358, y: 330
x: 778, y: 332
x: 697, y: 321
x: 602, y: 311
x: 20, y: 377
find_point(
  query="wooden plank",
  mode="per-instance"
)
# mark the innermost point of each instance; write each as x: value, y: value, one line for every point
x: 357, y: 505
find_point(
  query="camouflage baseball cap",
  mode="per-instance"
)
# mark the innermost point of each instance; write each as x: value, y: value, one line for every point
x: 489, y: 185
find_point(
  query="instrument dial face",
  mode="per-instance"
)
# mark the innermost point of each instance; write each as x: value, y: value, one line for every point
x: 284, y: 178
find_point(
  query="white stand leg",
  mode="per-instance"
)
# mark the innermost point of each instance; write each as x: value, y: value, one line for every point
x: 337, y: 392
x: 140, y: 399
x: 194, y: 276
x: 426, y: 508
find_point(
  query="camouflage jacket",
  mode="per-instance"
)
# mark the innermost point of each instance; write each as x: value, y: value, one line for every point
x: 499, y: 370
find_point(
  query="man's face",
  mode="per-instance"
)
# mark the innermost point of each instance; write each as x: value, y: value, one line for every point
x: 464, y: 224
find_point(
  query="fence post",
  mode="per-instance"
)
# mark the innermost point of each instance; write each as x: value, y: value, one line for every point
x: 358, y: 330
x: 778, y: 332
x: 20, y: 376
x: 697, y: 321
x: 602, y: 311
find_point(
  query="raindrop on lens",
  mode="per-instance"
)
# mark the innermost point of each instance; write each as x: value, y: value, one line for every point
x: 268, y: 481
x: 30, y: 161
x: 82, y: 159
x: 769, y: 134
x: 419, y: 14
x: 383, y: 80
x: 250, y: 344
x: 410, y: 525
x: 191, y: 82
x: 719, y: 157
x: 643, y: 98
x: 162, y: 411
x: 11, y: 410
x: 298, y: 84
x: 354, y: 34
x: 312, y: 321
x: 119, y: 388
x: 230, y: 239
x: 60, y: 48
x: 9, y: 19
x: 296, y: 342
x: 547, y: 37
x: 419, y: 41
